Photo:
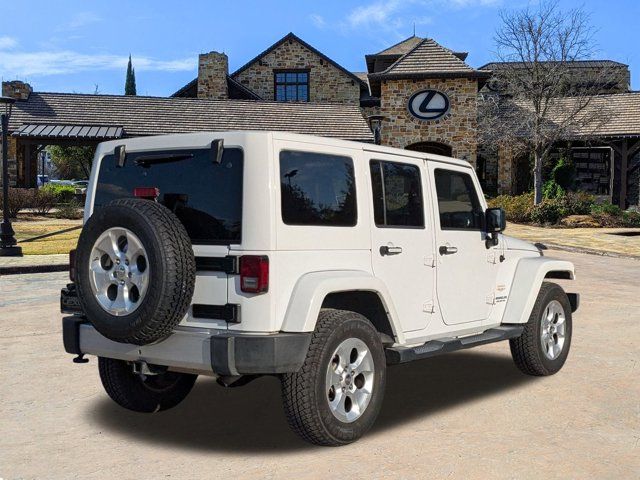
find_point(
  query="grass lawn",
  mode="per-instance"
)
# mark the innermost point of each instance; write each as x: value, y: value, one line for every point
x: 28, y: 226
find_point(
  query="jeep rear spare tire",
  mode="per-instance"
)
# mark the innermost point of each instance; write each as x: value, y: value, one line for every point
x: 135, y: 271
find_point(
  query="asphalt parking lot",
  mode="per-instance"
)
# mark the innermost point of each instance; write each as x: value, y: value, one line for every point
x: 464, y: 415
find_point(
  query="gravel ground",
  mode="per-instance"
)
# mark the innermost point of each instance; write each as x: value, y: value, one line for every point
x: 464, y: 415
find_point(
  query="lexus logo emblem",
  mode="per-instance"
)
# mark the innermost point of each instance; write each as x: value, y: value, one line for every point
x: 428, y: 104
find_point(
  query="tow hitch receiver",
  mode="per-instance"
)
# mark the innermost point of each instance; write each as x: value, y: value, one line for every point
x: 143, y: 368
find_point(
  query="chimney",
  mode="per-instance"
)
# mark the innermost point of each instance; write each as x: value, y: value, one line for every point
x: 16, y: 89
x: 213, y: 69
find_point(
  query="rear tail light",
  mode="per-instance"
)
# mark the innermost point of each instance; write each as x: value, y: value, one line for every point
x: 72, y: 265
x: 150, y: 193
x: 254, y: 273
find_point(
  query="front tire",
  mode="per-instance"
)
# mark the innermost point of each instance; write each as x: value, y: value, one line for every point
x: 544, y: 344
x: 136, y: 392
x: 336, y: 396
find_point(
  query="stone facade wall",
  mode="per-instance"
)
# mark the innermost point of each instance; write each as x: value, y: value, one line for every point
x: 326, y: 82
x: 213, y: 68
x: 11, y: 154
x: 458, y: 128
x: 16, y: 89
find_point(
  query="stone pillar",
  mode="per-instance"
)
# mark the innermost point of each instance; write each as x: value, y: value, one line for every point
x: 505, y: 171
x: 213, y: 68
x: 20, y: 91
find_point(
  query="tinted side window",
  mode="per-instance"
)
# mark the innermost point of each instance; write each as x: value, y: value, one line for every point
x: 397, y: 195
x: 458, y: 202
x: 317, y: 189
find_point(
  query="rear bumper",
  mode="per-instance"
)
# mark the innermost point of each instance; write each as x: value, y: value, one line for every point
x: 207, y: 351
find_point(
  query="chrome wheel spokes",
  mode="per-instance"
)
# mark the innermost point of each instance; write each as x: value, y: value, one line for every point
x: 553, y: 329
x: 119, y: 271
x: 349, y: 380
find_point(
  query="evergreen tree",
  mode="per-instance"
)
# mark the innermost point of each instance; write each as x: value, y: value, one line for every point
x: 130, y: 83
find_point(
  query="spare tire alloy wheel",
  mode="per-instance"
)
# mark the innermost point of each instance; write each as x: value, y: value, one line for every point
x: 135, y: 271
x: 119, y: 271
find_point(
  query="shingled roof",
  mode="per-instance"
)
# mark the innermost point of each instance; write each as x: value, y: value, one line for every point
x: 160, y: 115
x: 402, y: 47
x: 430, y: 59
x: 494, y: 66
x: 621, y: 112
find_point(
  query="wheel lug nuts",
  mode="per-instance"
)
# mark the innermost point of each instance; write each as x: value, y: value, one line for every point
x: 344, y: 389
x: 126, y: 262
x: 117, y: 261
x: 122, y: 282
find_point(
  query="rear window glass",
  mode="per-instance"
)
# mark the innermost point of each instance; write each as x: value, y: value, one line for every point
x: 205, y: 196
x: 317, y: 189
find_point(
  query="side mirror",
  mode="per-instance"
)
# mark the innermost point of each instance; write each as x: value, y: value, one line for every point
x: 495, y: 220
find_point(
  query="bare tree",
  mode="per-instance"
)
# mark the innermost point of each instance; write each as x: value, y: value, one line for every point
x: 538, y: 97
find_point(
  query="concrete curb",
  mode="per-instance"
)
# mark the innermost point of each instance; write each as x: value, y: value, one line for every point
x: 590, y: 251
x: 24, y: 269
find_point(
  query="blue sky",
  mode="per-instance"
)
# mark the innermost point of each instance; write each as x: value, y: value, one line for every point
x: 72, y: 46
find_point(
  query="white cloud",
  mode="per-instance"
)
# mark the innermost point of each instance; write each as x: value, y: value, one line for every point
x: 378, y: 12
x: 317, y: 20
x: 7, y: 43
x: 82, y: 19
x: 22, y: 64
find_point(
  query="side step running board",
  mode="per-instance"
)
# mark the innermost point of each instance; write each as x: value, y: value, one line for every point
x: 445, y: 345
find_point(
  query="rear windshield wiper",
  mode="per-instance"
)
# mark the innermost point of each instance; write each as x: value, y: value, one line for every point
x: 154, y: 159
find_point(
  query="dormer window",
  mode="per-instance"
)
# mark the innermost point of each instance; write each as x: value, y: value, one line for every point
x: 292, y: 85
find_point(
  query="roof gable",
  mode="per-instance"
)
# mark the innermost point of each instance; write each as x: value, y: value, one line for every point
x: 294, y: 38
x: 402, y: 47
x: 428, y: 56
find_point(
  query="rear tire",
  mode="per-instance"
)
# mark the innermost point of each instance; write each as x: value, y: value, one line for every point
x: 544, y: 344
x: 336, y: 396
x: 135, y: 392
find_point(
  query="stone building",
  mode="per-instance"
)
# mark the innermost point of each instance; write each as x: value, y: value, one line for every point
x: 416, y: 94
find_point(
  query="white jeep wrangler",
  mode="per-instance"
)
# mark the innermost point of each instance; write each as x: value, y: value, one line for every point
x: 321, y: 261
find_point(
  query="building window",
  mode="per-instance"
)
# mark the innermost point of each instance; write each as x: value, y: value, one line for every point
x: 292, y: 86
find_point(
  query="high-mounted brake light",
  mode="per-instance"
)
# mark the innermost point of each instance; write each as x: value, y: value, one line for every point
x: 72, y: 265
x: 254, y: 273
x: 150, y: 193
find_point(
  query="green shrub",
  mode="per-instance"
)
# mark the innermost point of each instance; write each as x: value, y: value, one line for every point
x: 550, y: 211
x: 606, y: 208
x: 517, y: 208
x: 43, y: 201
x: 578, y: 203
x: 551, y: 189
x: 19, y: 199
x: 63, y: 193
x: 631, y: 218
x: 71, y: 210
x: 564, y: 173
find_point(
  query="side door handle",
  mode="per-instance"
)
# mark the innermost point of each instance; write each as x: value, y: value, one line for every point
x: 447, y: 250
x: 387, y: 250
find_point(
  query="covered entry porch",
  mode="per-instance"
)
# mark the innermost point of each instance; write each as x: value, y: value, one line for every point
x: 30, y: 140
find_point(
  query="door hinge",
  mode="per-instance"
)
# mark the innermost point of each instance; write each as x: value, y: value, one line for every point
x: 491, y: 299
x: 430, y: 261
x: 428, y: 307
x: 491, y: 257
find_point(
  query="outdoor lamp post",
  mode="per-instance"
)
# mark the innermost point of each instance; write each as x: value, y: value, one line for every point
x: 8, y: 247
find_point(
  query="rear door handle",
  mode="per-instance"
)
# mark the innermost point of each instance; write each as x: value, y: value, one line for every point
x: 387, y: 250
x: 447, y: 250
